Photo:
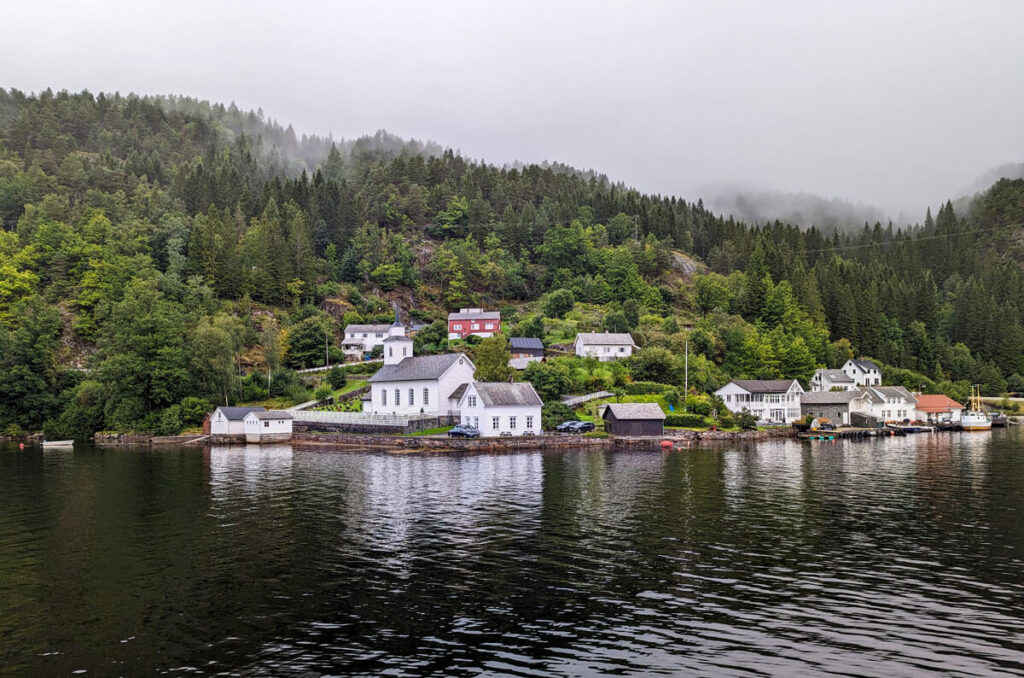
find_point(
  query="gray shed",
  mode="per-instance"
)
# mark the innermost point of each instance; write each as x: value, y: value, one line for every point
x: 634, y: 419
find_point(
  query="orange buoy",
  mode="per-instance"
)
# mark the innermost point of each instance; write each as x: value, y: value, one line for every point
x: 666, y: 444
x: 21, y: 446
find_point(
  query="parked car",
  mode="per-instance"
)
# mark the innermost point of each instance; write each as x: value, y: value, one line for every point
x: 464, y: 432
x: 575, y: 426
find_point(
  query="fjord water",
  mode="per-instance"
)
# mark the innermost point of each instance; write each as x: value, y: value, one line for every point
x: 889, y: 557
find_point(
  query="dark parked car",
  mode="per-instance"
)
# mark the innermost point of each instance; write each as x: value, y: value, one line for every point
x: 464, y: 432
x: 575, y: 426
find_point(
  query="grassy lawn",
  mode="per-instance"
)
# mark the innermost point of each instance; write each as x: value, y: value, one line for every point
x: 271, y: 403
x: 350, y: 385
x: 430, y: 431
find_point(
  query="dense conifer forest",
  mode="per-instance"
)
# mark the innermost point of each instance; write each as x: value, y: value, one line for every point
x: 159, y: 255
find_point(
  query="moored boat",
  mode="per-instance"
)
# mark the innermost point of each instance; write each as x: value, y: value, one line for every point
x: 58, y: 443
x: 976, y: 418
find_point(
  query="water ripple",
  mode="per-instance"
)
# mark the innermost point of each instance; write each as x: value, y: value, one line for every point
x: 892, y: 557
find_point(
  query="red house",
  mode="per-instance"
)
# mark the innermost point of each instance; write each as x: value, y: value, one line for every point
x: 473, y: 321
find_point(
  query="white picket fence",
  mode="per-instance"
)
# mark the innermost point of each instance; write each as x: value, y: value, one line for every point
x: 358, y: 418
x: 327, y: 367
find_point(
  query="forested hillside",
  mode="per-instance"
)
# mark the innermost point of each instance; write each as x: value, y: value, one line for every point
x: 158, y: 255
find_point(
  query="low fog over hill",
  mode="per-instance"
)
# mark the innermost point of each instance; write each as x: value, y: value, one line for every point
x: 804, y: 209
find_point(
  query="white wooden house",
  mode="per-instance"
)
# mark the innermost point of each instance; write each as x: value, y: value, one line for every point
x: 832, y: 380
x: 772, y: 400
x: 362, y: 339
x: 268, y: 426
x: 863, y: 372
x: 409, y: 384
x: 604, y: 346
x: 229, y: 420
x: 501, y: 408
x: 891, y: 403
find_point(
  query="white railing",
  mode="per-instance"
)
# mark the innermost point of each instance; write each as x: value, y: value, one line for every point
x: 327, y: 367
x: 579, y: 400
x: 359, y: 418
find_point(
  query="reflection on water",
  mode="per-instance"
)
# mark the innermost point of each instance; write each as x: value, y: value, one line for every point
x: 898, y: 556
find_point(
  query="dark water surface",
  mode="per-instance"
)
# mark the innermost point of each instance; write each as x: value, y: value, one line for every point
x: 891, y: 557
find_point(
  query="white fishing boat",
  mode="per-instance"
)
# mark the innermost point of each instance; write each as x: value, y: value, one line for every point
x: 975, y: 418
x: 58, y: 443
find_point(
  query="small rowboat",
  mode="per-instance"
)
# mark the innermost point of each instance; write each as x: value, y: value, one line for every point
x: 58, y: 443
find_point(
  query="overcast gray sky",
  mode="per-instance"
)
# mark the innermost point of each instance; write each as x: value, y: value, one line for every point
x: 898, y: 104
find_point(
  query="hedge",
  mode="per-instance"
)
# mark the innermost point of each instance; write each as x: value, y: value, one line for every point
x: 686, y: 420
x: 644, y: 388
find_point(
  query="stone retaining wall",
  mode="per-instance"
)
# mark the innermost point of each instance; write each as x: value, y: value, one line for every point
x: 414, y: 426
x: 445, y: 444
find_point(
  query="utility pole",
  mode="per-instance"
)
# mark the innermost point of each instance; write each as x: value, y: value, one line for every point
x: 327, y: 346
x: 686, y: 373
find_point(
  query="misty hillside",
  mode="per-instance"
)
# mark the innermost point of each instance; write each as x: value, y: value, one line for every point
x: 178, y: 251
x: 801, y: 209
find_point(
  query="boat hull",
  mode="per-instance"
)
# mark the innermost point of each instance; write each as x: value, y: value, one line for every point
x: 977, y: 427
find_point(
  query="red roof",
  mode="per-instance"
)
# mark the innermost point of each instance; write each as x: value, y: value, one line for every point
x: 937, y: 403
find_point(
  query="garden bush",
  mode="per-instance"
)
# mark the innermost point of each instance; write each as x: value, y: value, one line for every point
x: 644, y: 388
x: 686, y: 420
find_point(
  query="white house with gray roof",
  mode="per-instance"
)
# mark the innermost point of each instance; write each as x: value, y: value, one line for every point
x: 410, y: 384
x: 770, y: 400
x: 501, y: 408
x: 604, y: 346
x: 362, y: 339
x: 891, y: 403
x: 229, y: 420
x: 832, y: 380
x: 264, y: 426
x: 863, y: 372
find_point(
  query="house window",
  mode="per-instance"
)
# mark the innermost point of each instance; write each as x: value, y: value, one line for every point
x: 404, y: 350
x: 426, y: 396
x: 495, y: 423
x: 266, y: 424
x: 622, y: 349
x: 606, y: 349
x: 458, y: 326
x: 471, y: 401
x: 391, y: 351
x: 383, y: 396
x: 489, y: 326
x: 398, y: 397
x: 476, y: 326
x: 476, y: 422
x: 512, y: 423
x: 379, y: 335
x: 364, y: 335
x: 412, y: 396
x: 529, y: 421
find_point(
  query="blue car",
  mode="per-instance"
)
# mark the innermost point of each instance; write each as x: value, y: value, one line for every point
x: 464, y: 432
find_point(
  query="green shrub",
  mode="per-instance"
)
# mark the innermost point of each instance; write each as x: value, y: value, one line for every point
x: 644, y: 388
x: 596, y: 434
x: 746, y: 420
x: 193, y: 410
x: 686, y: 420
x: 170, y: 421
x: 323, y: 391
x: 698, y: 405
x: 336, y: 377
x: 554, y: 413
